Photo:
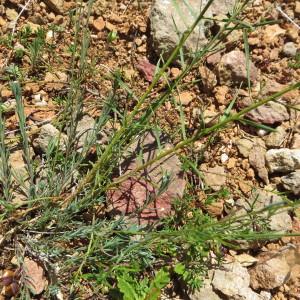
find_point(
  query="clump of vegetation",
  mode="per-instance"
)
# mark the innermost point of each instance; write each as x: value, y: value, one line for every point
x: 63, y: 221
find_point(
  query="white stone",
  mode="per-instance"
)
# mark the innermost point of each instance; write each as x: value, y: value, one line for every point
x: 283, y: 160
x: 291, y: 182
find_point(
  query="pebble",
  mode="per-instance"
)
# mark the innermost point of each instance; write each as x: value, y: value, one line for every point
x: 224, y: 157
x: 99, y: 24
x: 185, y: 98
x: 291, y: 182
x: 283, y: 160
x: 289, y: 49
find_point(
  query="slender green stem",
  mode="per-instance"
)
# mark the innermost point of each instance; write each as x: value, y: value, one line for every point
x: 203, y: 132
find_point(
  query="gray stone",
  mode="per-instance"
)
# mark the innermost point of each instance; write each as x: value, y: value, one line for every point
x: 11, y: 14
x: 257, y: 161
x: 214, y: 177
x: 232, y: 69
x: 170, y: 19
x: 291, y: 182
x: 56, y: 6
x: 84, y: 130
x: 289, y: 49
x: 244, y: 146
x: 280, y: 221
x: 48, y: 133
x: 283, y: 160
x: 270, y: 274
x: 275, y: 139
x: 233, y: 281
x: 206, y: 292
x: 269, y: 113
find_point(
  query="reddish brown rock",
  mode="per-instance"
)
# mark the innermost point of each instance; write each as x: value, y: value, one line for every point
x: 232, y: 69
x: 139, y: 197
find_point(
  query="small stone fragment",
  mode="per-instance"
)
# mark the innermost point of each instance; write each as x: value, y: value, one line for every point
x: 84, y: 130
x: 275, y: 139
x: 272, y: 33
x: 99, y: 24
x: 245, y: 259
x: 283, y: 160
x: 48, y: 133
x: 244, y: 146
x: 221, y: 93
x: 257, y: 161
x: 185, y: 98
x: 270, y: 274
x: 208, y: 78
x: 232, y: 69
x: 56, y: 5
x: 34, y: 277
x: 214, y: 177
x: 146, y: 69
x: 269, y: 113
x: 289, y: 49
x: 11, y: 14
x: 291, y: 182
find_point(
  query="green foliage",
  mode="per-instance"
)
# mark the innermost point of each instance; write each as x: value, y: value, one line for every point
x: 142, y: 290
x: 112, y: 36
x: 295, y: 62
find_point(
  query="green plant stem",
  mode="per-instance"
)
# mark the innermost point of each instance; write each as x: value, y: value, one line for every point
x: 203, y: 132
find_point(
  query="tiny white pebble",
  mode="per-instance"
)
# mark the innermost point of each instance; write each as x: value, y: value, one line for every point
x: 224, y: 158
x: 37, y: 97
x: 262, y: 132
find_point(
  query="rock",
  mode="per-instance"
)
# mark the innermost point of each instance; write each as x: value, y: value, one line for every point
x: 55, y: 81
x: 84, y: 130
x: 297, y: 8
x: 206, y: 292
x: 283, y: 160
x: 34, y: 277
x: 214, y: 177
x: 271, y: 34
x: 48, y: 133
x: 260, y: 199
x: 233, y: 282
x: 244, y: 146
x: 269, y: 113
x: 56, y: 5
x: 132, y: 194
x: 208, y: 78
x: 221, y: 93
x: 18, y: 164
x: 146, y: 69
x: 245, y: 259
x: 270, y: 274
x: 291, y: 182
x: 185, y: 98
x: 232, y: 69
x: 289, y: 49
x: 257, y: 161
x: 296, y: 141
x: 275, y: 139
x: 5, y: 93
x: 11, y: 14
x: 99, y: 24
x: 166, y: 35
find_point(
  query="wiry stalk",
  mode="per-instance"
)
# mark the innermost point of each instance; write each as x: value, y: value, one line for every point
x: 15, y: 86
x: 5, y: 170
